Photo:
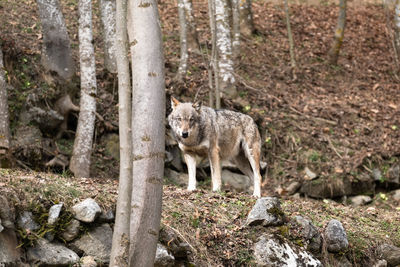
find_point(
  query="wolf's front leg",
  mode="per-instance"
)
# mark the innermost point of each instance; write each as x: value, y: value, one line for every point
x: 191, y: 165
x: 215, y: 165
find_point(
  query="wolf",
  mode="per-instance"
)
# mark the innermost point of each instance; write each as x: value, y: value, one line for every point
x: 219, y: 135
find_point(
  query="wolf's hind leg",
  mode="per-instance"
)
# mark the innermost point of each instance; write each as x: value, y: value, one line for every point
x: 215, y: 165
x: 253, y: 154
x: 191, y: 166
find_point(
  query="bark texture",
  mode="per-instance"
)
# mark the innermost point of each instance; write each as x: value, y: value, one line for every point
x: 183, y: 41
x: 56, y: 50
x: 339, y: 33
x: 246, y: 18
x: 4, y: 114
x: 226, y: 78
x: 107, y: 11
x: 80, y: 160
x: 192, y: 35
x: 213, y: 68
x: 236, y: 28
x: 290, y: 35
x: 396, y: 40
x: 148, y: 115
x: 120, y: 243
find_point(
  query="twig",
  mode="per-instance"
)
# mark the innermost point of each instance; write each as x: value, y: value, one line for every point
x: 333, y: 148
x: 184, y: 239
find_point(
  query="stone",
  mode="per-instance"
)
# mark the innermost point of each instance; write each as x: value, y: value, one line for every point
x: 267, y: 212
x: 310, y: 175
x: 310, y: 233
x: 389, y: 253
x: 87, y: 210
x: 380, y: 263
x: 393, y: 175
x: 163, y: 257
x: 335, y: 237
x: 176, y: 158
x: 88, y: 261
x: 96, y: 243
x: 176, y: 178
x: 376, y: 175
x: 54, y: 213
x: 363, y: 184
x: 272, y: 252
x: 107, y: 216
x: 179, y: 248
x: 71, y: 231
x: 7, y: 213
x: 293, y: 188
x: 10, y: 254
x: 25, y: 221
x: 396, y: 195
x: 327, y: 187
x: 45, y: 253
x: 360, y: 200
x: 238, y: 182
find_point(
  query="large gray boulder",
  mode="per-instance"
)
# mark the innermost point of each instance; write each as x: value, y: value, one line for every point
x: 25, y: 221
x: 163, y: 257
x: 7, y: 213
x: 267, y: 212
x: 327, y: 187
x: 71, y: 231
x: 335, y: 237
x: 238, y: 182
x: 9, y: 254
x: 45, y: 253
x: 389, y: 253
x: 272, y: 252
x: 87, y: 210
x: 96, y: 243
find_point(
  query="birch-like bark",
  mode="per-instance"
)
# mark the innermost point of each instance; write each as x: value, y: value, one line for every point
x: 56, y: 51
x: 396, y: 38
x: 226, y: 78
x: 213, y: 68
x: 120, y: 244
x: 236, y: 29
x: 339, y: 33
x: 81, y: 154
x: 192, y: 35
x: 107, y: 12
x: 4, y: 114
x: 290, y: 35
x: 183, y: 38
x: 148, y: 138
x: 246, y: 18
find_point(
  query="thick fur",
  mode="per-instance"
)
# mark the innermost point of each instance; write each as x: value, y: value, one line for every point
x: 220, y: 135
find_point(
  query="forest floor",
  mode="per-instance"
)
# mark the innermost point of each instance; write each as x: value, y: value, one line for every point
x: 341, y: 120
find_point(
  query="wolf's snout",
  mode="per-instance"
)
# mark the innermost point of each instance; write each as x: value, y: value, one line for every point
x: 185, y: 134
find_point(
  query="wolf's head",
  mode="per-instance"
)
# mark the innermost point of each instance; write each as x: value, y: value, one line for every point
x: 185, y: 120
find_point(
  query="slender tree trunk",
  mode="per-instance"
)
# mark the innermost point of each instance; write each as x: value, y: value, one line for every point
x: 80, y: 160
x: 226, y: 78
x: 148, y: 138
x: 183, y: 37
x: 246, y: 18
x: 107, y: 11
x: 396, y: 37
x: 290, y: 36
x: 120, y: 244
x: 5, y: 135
x: 213, y: 69
x: 56, y: 51
x: 339, y: 33
x: 192, y: 35
x: 236, y: 28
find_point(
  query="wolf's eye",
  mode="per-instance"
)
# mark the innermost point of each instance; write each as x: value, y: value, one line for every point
x: 178, y: 118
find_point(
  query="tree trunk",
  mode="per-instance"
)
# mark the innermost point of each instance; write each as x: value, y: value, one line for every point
x: 56, y: 51
x: 183, y: 38
x: 120, y: 244
x: 226, y: 78
x: 192, y: 35
x: 236, y: 29
x: 148, y: 138
x: 396, y: 38
x: 80, y: 160
x: 107, y: 8
x: 246, y: 18
x: 290, y: 35
x: 339, y: 33
x: 4, y: 115
x: 213, y: 69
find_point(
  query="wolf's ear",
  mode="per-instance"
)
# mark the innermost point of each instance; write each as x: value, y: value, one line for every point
x: 197, y: 106
x: 174, y: 102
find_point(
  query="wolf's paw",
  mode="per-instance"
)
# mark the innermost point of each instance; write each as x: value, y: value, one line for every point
x: 191, y: 188
x: 257, y: 194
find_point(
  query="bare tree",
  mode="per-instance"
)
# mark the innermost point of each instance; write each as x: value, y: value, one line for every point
x: 235, y: 28
x: 120, y: 243
x: 81, y: 154
x: 213, y: 68
x: 56, y: 51
x: 148, y: 115
x: 4, y: 115
x: 183, y: 38
x: 339, y: 33
x: 290, y: 35
x: 396, y: 37
x: 107, y: 12
x: 226, y: 79
x: 192, y: 35
x: 246, y: 18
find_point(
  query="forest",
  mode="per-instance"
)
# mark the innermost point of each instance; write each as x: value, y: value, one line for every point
x: 94, y: 170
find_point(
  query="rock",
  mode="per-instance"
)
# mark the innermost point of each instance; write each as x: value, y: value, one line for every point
x: 176, y: 178
x: 174, y: 243
x: 327, y: 187
x: 87, y: 210
x: 376, y: 175
x: 107, y: 216
x: 269, y: 251
x: 10, y: 254
x: 25, y: 221
x: 335, y: 237
x: 310, y: 175
x: 45, y: 253
x: 54, y: 213
x: 380, y: 263
x: 88, y: 261
x: 238, y: 182
x: 293, y: 187
x: 49, y: 236
x: 396, y: 195
x: 176, y: 158
x: 363, y: 184
x: 393, y: 175
x: 310, y: 233
x: 267, y: 211
x: 96, y: 243
x: 163, y: 257
x: 7, y: 213
x: 389, y: 253
x: 72, y: 231
x: 360, y: 200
